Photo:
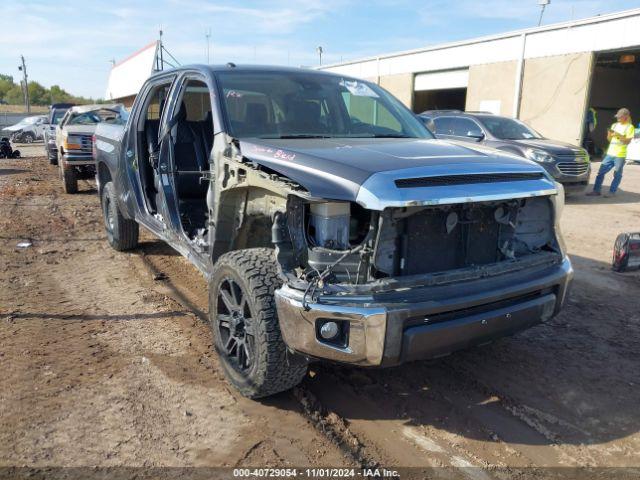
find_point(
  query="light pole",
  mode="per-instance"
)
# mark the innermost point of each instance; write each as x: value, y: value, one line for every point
x: 543, y: 4
x: 319, y: 50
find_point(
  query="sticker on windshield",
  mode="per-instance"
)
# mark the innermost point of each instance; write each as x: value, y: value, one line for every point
x: 358, y: 89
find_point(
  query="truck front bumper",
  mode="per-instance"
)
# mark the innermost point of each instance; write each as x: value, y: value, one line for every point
x: 77, y: 159
x: 424, y: 322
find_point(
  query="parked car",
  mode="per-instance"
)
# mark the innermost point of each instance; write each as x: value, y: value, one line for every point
x: 567, y: 164
x: 27, y: 130
x: 56, y: 112
x: 328, y: 221
x: 74, y: 140
x: 633, y: 149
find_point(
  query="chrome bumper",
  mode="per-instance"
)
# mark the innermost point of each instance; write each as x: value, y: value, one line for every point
x: 387, y: 334
x: 77, y: 159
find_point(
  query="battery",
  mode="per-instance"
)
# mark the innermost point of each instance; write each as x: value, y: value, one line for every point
x: 626, y: 252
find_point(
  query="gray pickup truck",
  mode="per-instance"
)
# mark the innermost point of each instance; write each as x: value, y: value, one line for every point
x: 328, y: 221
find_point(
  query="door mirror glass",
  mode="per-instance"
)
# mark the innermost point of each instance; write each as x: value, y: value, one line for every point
x: 475, y: 134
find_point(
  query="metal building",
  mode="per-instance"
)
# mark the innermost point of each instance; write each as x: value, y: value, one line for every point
x: 547, y: 76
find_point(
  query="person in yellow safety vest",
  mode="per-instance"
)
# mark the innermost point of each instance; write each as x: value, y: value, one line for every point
x: 619, y: 136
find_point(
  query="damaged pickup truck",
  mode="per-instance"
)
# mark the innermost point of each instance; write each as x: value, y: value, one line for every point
x: 329, y: 222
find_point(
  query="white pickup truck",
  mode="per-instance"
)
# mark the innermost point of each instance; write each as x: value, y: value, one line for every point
x: 74, y: 140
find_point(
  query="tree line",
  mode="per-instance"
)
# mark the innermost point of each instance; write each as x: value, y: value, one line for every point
x: 11, y: 93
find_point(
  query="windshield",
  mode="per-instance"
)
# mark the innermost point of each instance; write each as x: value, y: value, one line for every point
x: 509, y: 129
x: 94, y: 116
x: 312, y: 105
x: 57, y: 116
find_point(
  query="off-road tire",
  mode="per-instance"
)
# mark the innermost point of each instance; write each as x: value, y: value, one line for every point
x: 274, y: 368
x: 122, y: 233
x: 69, y: 179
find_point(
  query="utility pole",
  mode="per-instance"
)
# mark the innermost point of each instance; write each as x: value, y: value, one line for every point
x: 319, y: 50
x: 207, y: 34
x: 25, y: 91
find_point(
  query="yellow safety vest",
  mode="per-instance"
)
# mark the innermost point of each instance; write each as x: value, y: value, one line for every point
x: 616, y: 147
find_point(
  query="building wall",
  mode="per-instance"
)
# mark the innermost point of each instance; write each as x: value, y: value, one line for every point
x: 604, y: 32
x: 554, y: 95
x: 492, y: 82
x: 400, y: 86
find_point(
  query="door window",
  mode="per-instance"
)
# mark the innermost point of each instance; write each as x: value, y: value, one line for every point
x: 459, y: 127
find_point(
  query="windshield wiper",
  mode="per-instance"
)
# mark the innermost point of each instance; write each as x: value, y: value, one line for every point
x: 389, y: 135
x: 297, y: 135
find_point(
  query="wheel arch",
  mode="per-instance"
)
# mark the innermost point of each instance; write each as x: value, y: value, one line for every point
x: 103, y: 175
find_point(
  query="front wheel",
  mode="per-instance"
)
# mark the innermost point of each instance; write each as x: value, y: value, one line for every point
x: 244, y: 324
x: 122, y: 233
x: 28, y: 138
x: 69, y: 179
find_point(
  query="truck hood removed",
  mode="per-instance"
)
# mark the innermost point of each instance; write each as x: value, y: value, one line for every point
x: 380, y: 173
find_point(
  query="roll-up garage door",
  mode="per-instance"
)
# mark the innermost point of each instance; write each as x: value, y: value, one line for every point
x: 442, y: 80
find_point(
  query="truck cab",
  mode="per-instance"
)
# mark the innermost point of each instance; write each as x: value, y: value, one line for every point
x: 329, y: 222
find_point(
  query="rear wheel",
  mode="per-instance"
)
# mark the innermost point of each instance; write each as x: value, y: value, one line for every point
x: 122, y: 233
x: 69, y: 179
x: 245, y: 327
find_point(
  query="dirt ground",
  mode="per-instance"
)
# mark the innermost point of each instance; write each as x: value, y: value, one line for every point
x: 103, y: 365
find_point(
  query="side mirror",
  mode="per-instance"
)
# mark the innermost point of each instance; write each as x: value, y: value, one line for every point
x: 477, y: 136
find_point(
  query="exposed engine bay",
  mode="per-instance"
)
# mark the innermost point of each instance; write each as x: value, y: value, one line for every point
x: 342, y: 244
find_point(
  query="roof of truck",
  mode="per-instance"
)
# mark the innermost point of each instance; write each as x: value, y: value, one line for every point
x: 249, y: 68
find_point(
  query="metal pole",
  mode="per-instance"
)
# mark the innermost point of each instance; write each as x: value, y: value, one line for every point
x: 208, y: 35
x: 541, y: 13
x: 26, y: 85
x: 517, y: 96
x: 161, y: 48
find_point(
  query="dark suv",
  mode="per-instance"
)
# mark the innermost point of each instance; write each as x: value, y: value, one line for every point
x: 568, y: 164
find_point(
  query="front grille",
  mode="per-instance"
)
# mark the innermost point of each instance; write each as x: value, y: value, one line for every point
x: 573, y: 168
x: 85, y: 141
x: 449, y: 180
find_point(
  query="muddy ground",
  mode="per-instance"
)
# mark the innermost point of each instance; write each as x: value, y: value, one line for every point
x: 105, y: 361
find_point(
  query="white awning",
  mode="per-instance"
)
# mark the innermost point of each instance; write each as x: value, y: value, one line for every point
x: 442, y: 80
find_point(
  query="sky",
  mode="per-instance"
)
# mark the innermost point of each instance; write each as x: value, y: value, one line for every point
x: 71, y: 43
